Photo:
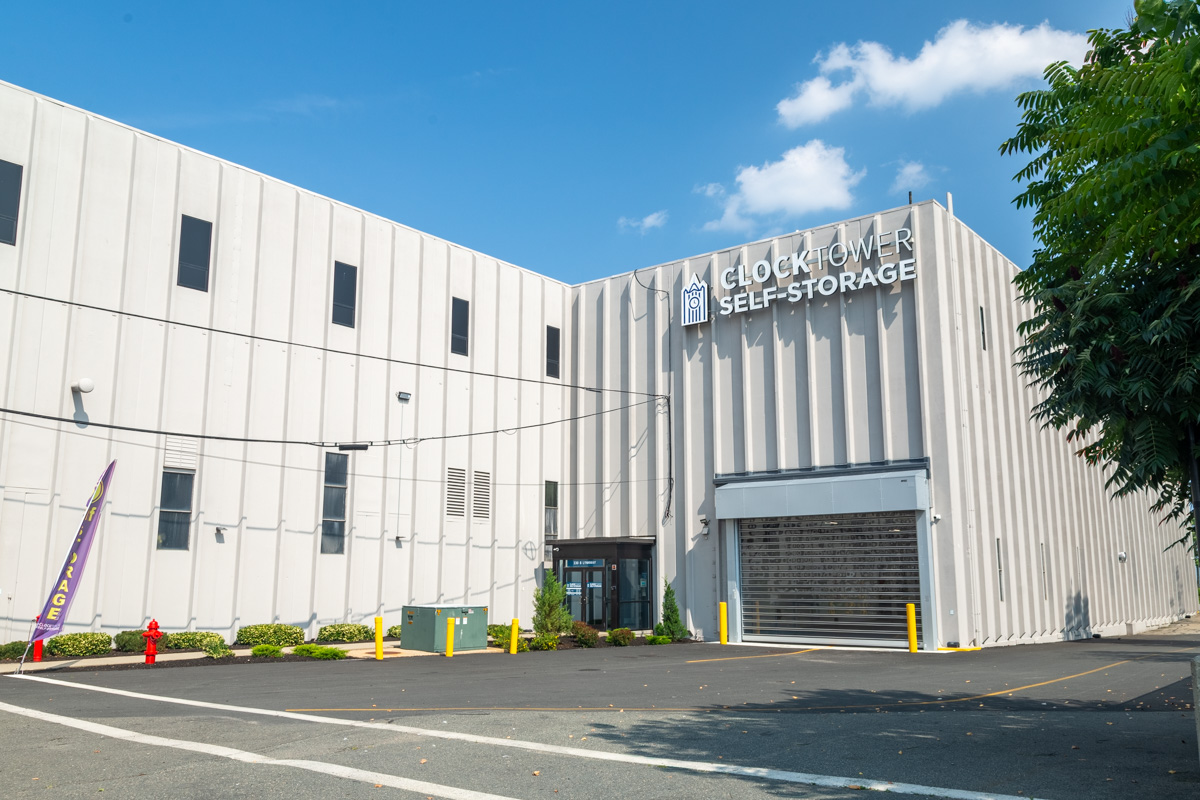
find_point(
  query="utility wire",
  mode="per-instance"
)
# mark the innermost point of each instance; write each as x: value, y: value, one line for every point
x: 667, y: 513
x: 410, y: 441
x: 358, y: 475
x: 320, y: 348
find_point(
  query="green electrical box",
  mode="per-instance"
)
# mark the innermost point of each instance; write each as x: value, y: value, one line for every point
x: 425, y: 627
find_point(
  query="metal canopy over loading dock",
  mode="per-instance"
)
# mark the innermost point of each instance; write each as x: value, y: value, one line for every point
x: 827, y: 559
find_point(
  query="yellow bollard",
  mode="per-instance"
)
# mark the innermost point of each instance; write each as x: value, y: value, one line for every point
x: 512, y: 639
x: 724, y: 623
x: 450, y: 638
x: 911, y: 611
x: 379, y: 638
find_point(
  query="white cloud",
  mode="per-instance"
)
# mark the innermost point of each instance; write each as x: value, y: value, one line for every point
x: 646, y: 223
x: 910, y: 177
x: 962, y: 58
x: 710, y: 190
x: 811, y: 177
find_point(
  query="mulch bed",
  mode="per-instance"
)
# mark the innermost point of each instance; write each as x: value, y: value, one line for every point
x: 197, y: 662
x: 565, y: 643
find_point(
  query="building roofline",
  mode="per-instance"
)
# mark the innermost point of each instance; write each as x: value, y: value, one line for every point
x: 264, y: 176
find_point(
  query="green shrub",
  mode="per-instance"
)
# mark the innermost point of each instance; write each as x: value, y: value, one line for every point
x: 276, y: 634
x: 501, y: 634
x: 317, y: 651
x: 130, y: 642
x: 13, y: 651
x: 189, y: 640
x: 670, y: 626
x: 621, y: 637
x: 75, y: 645
x: 395, y: 631
x: 266, y: 651
x: 544, y: 641
x: 217, y: 649
x: 659, y: 640
x: 586, y: 635
x: 345, y: 633
x: 550, y: 614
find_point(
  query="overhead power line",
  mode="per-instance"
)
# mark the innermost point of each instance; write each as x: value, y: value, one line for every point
x: 322, y: 349
x: 320, y: 470
x: 411, y: 441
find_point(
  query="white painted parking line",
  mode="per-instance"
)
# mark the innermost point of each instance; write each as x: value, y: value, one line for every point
x: 336, y: 770
x: 762, y: 773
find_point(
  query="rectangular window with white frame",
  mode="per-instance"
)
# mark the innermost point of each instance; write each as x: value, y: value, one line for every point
x: 553, y: 336
x: 175, y: 509
x: 333, y: 504
x: 345, y: 293
x: 10, y: 200
x: 195, y: 253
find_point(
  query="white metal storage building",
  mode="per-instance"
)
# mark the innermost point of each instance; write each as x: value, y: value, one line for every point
x: 837, y: 429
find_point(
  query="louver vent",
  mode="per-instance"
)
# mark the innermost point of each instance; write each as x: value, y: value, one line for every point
x: 456, y: 492
x: 481, y: 499
x: 181, y: 453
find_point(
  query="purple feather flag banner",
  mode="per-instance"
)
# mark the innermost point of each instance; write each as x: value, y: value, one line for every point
x: 54, y: 614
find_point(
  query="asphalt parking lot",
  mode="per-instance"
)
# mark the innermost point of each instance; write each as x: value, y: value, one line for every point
x: 1109, y: 718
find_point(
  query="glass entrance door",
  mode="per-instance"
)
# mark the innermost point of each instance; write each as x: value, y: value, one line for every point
x: 585, y: 595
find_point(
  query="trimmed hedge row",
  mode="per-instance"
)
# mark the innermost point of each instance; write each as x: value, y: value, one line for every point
x: 190, y: 640
x: 276, y: 634
x: 345, y: 632
x: 76, y: 645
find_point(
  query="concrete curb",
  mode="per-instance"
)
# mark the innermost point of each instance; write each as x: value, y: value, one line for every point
x: 1196, y: 699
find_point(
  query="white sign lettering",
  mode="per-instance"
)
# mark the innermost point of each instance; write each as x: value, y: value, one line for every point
x: 799, y: 266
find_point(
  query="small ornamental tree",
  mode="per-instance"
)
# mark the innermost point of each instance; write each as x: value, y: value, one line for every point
x: 671, y: 625
x: 550, y: 614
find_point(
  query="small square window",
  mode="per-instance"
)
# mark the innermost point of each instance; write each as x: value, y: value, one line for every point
x: 460, y: 326
x: 195, y: 253
x: 10, y: 200
x: 345, y: 293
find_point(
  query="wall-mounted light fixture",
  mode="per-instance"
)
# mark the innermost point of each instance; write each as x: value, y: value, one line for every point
x: 704, y: 527
x: 403, y: 397
x: 83, y: 386
x: 1122, y: 556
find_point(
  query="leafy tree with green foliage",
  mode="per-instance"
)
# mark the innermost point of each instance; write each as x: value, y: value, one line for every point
x: 671, y: 625
x: 550, y: 613
x: 1113, y: 340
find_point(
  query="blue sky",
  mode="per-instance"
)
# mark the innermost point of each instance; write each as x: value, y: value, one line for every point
x: 579, y: 140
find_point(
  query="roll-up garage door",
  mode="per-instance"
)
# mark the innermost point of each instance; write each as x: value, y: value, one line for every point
x: 839, y: 578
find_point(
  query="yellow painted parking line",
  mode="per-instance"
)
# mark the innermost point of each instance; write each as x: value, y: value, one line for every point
x: 949, y: 700
x: 768, y: 655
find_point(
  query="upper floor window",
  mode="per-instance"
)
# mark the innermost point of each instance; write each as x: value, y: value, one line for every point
x: 175, y: 510
x: 345, y: 290
x: 333, y: 504
x: 195, y: 252
x: 552, y: 342
x: 10, y: 200
x: 551, y: 509
x: 460, y: 326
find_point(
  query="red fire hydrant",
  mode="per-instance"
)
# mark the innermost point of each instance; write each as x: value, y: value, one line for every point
x: 152, y: 634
